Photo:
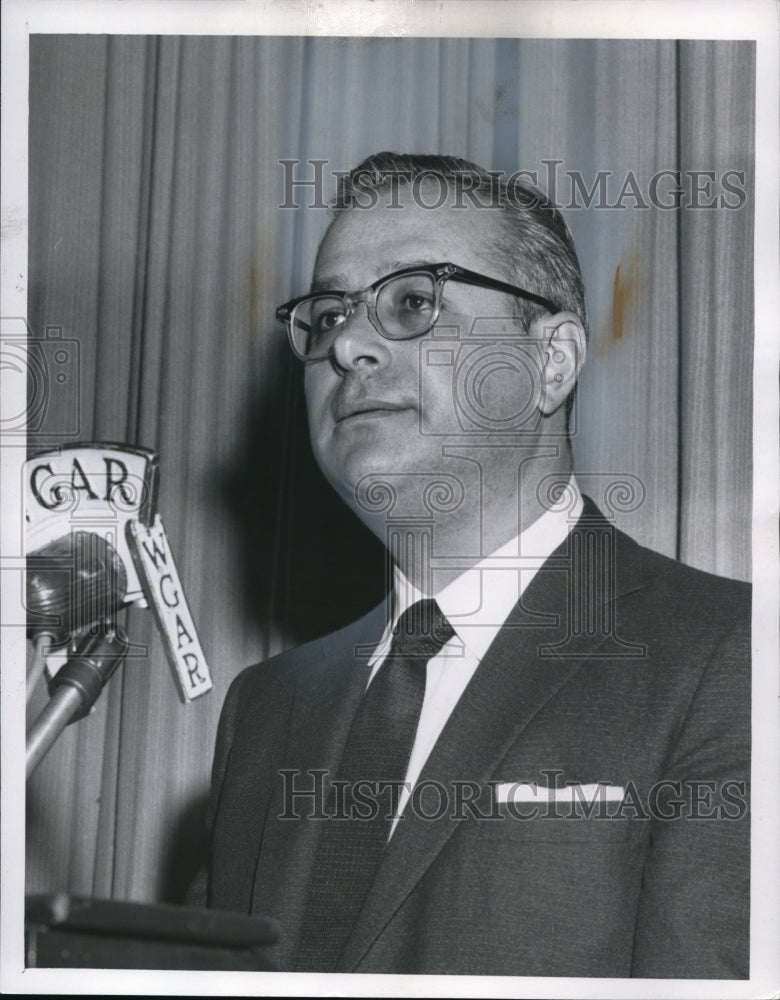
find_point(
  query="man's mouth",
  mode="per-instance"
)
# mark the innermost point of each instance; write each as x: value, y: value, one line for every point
x: 366, y: 408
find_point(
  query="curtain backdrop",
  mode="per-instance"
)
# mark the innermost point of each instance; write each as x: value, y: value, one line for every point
x: 157, y: 242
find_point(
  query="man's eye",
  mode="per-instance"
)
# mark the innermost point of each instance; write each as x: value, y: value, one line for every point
x: 415, y: 302
x: 327, y: 321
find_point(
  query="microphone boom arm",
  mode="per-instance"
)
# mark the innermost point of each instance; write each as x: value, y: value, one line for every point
x: 76, y: 688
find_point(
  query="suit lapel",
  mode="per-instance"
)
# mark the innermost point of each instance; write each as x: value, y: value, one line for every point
x: 328, y: 689
x: 526, y: 665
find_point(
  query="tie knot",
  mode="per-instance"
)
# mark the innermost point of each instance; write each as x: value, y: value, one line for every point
x: 421, y: 631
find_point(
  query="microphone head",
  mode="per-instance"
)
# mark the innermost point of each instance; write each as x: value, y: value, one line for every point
x: 72, y: 582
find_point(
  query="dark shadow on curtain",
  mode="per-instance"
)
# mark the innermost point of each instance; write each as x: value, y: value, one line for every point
x: 308, y: 565
x: 184, y: 852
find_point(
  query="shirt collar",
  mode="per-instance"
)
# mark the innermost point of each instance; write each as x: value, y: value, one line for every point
x: 478, y: 602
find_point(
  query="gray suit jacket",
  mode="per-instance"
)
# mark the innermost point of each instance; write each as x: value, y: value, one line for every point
x: 617, y: 666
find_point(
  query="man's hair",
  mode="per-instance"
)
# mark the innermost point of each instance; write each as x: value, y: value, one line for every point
x: 536, y: 250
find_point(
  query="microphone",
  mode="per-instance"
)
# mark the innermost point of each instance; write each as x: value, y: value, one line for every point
x: 71, y: 583
x: 77, y: 498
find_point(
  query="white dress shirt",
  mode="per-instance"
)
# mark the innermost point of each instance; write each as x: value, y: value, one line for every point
x: 476, y: 604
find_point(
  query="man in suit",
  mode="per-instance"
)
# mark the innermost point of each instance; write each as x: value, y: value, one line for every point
x: 545, y: 771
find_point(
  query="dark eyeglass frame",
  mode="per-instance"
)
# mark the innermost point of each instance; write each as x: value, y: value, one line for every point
x: 440, y: 273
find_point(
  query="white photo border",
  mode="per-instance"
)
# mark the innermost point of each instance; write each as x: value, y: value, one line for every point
x: 713, y: 19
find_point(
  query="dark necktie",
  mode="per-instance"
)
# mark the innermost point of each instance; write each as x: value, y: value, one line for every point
x: 377, y: 750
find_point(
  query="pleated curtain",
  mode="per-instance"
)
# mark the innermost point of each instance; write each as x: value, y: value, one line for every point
x: 158, y: 243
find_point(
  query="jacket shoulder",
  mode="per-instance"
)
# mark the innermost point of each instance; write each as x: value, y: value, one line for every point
x: 693, y: 591
x: 293, y: 664
x: 657, y: 588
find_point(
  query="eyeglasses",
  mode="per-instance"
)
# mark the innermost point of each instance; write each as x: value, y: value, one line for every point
x: 401, y: 305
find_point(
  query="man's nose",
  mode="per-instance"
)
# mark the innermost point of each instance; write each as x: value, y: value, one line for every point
x: 358, y: 344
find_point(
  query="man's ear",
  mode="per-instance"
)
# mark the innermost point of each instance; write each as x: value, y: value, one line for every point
x: 563, y: 340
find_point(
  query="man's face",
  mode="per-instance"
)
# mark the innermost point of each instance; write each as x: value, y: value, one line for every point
x: 379, y: 406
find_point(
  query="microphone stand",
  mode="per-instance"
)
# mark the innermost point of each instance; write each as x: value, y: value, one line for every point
x: 75, y: 688
x: 63, y: 707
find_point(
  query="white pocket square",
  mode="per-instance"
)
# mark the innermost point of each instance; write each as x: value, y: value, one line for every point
x: 530, y: 791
